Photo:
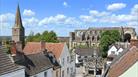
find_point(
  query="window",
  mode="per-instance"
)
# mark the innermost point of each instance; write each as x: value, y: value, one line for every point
x: 45, y: 74
x: 112, y: 52
x: 63, y: 73
x: 63, y: 61
x: 85, y: 56
x: 35, y: 76
x: 68, y: 59
x: 67, y: 70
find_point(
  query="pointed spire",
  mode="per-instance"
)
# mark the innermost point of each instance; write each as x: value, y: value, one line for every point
x: 18, y: 20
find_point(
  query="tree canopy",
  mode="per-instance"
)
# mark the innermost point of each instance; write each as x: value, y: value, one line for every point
x: 45, y: 36
x: 108, y: 38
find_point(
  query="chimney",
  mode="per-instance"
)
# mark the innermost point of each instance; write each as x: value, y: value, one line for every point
x: 134, y: 41
x: 13, y: 49
x: 42, y: 45
x: 19, y: 46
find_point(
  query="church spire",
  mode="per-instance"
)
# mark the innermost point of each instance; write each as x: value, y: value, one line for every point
x: 18, y: 20
x: 18, y: 32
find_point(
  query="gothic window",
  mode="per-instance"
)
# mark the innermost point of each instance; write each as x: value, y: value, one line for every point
x: 83, y: 36
x: 88, y: 37
x: 92, y: 38
x: 98, y: 38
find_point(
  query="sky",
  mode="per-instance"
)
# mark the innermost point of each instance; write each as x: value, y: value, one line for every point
x: 64, y: 16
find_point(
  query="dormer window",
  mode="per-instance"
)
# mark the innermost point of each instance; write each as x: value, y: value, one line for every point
x: 112, y: 52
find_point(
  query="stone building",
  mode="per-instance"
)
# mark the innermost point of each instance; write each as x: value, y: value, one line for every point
x: 91, y: 36
x: 18, y: 32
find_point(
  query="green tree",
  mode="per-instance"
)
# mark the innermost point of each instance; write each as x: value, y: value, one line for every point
x: 45, y: 36
x: 30, y: 37
x: 108, y: 38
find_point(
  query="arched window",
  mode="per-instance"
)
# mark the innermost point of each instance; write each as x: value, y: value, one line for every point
x: 88, y: 37
x: 83, y: 36
x: 92, y: 38
x: 98, y: 38
x: 127, y: 37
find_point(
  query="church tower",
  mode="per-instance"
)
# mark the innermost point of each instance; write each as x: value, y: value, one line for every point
x: 18, y: 34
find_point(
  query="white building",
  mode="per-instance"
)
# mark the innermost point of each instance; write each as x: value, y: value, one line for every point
x: 61, y: 53
x: 115, y: 50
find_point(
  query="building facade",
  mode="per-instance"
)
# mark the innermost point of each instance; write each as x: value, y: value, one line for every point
x: 92, y: 36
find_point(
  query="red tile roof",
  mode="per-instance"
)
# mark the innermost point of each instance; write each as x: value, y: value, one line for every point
x: 124, y: 63
x: 35, y: 47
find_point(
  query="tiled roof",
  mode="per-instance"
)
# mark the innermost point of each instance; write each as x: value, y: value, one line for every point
x: 86, y: 51
x: 6, y: 65
x: 36, y: 63
x: 123, y: 63
x: 34, y: 47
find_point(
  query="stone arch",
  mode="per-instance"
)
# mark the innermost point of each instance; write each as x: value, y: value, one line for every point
x: 127, y: 37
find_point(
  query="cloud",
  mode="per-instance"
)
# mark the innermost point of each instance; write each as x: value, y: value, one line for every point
x: 97, y: 13
x: 28, y: 12
x: 134, y: 10
x: 93, y: 16
x: 116, y: 6
x: 6, y: 23
x: 109, y: 17
x: 65, y: 4
x: 62, y: 22
x: 86, y: 18
x: 6, y: 20
x: 6, y: 17
x: 58, y: 19
x: 30, y: 21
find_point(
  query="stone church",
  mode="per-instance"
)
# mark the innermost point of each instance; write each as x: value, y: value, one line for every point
x: 18, y: 32
x: 91, y: 36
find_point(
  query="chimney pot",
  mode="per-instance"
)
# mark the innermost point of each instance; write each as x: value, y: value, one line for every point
x: 13, y: 48
x: 42, y: 44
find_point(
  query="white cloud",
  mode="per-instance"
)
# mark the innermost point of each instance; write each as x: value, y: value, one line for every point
x: 58, y: 19
x: 86, y: 18
x: 116, y: 6
x: 134, y: 10
x: 93, y: 16
x: 28, y: 12
x: 109, y: 17
x: 6, y: 17
x: 30, y: 21
x: 97, y: 13
x: 65, y: 4
x: 6, y: 23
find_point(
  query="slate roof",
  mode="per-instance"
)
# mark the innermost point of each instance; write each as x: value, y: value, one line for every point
x: 34, y: 47
x: 86, y: 51
x: 36, y: 63
x: 123, y: 62
x: 6, y: 65
x: 119, y: 45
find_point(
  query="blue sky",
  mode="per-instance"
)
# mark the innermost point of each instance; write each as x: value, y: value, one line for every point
x: 64, y: 16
